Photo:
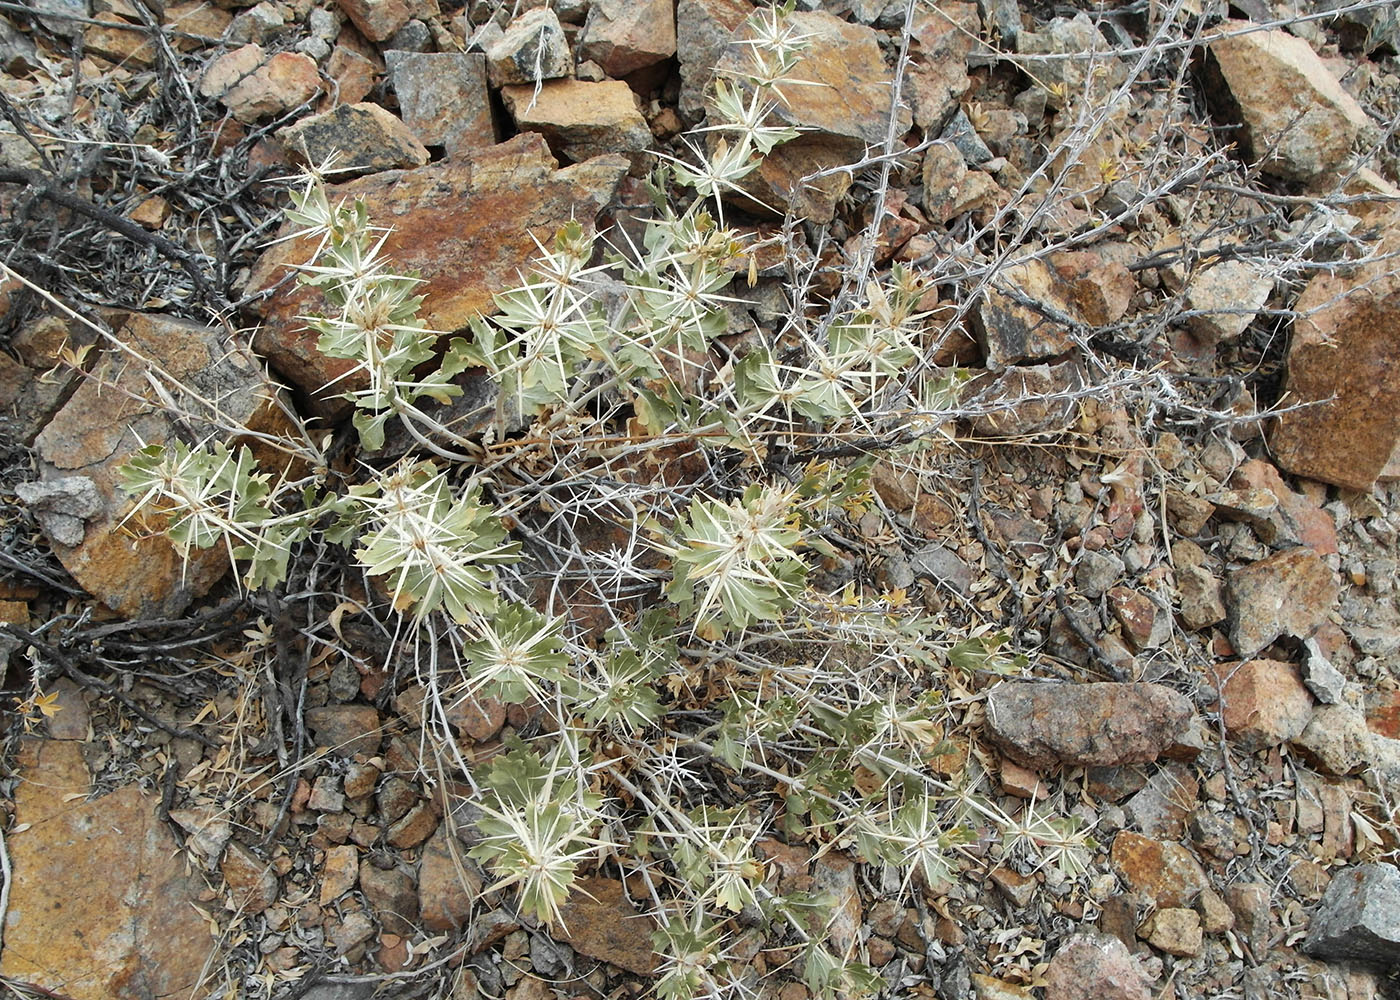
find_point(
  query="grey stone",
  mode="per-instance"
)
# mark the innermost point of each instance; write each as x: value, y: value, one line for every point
x: 1096, y: 572
x: 58, y: 15
x: 443, y: 98
x: 63, y: 506
x: 941, y: 565
x: 1359, y: 917
x: 965, y: 140
x: 17, y: 52
x: 532, y: 48
x: 1324, y: 680
x: 415, y: 36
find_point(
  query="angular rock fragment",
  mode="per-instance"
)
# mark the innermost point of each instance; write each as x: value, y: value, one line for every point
x: 1022, y: 316
x: 362, y: 137
x: 1221, y: 294
x: 937, y: 79
x: 581, y: 120
x: 623, y: 36
x: 600, y: 921
x: 464, y: 227
x: 1359, y: 917
x: 1294, y: 118
x: 252, y: 87
x: 1263, y: 702
x: 448, y: 883
x: 703, y: 30
x: 1094, y: 966
x: 1289, y: 593
x: 1026, y: 400
x: 1041, y: 724
x: 378, y: 19
x: 444, y: 99
x: 532, y: 48
x: 1164, y: 871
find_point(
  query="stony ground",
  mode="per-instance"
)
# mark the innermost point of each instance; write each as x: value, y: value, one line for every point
x: 1151, y: 247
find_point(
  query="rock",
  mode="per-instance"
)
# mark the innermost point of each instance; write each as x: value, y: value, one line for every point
x: 1199, y: 592
x: 392, y: 896
x: 18, y: 55
x: 987, y: 988
x: 1164, y: 871
x: 1096, y: 571
x: 444, y: 99
x: 843, y: 107
x: 1089, y: 68
x: 112, y: 38
x: 285, y: 81
x: 416, y: 826
x: 341, y: 872
x: 1160, y: 808
x: 1099, y: 287
x: 1335, y: 740
x: 350, y: 931
x: 950, y: 189
x: 362, y: 137
x: 1018, y: 320
x: 835, y: 876
x: 1024, y: 401
x: 1294, y: 118
x: 224, y: 72
x: 532, y: 48
x: 353, y: 75
x: 326, y: 795
x: 1145, y: 625
x: 345, y: 730
x: 1216, y: 915
x: 703, y: 30
x: 1040, y: 724
x: 1250, y: 902
x: 465, y: 227
x: 1295, y: 519
x: 623, y: 36
x: 1018, y: 889
x: 1290, y: 593
x: 937, y: 79
x: 1188, y: 514
x: 377, y: 19
x: 63, y: 506
x: 76, y: 924
x: 599, y: 921
x: 1359, y: 917
x: 1325, y: 681
x: 252, y: 884
x: 944, y: 566
x: 1263, y: 702
x: 1175, y: 930
x: 1093, y: 966
x: 1343, y: 366
x: 448, y: 883
x: 106, y: 421
x: 581, y: 120
x: 1222, y: 294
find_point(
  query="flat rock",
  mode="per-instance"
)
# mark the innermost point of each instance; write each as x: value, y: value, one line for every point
x: 1175, y: 930
x: 1289, y: 593
x: 101, y: 906
x: 1295, y: 519
x: 392, y: 895
x: 448, y: 883
x: 1164, y: 871
x: 580, y: 120
x: 465, y: 227
x: 377, y: 19
x: 284, y: 81
x: 1093, y: 966
x: 252, y: 884
x: 937, y: 79
x: 1009, y: 330
x: 1344, y: 364
x: 599, y: 921
x: 1359, y: 917
x: 1264, y: 702
x: 362, y: 137
x: 1041, y: 724
x: 703, y: 31
x: 106, y: 421
x: 1335, y: 740
x: 532, y: 48
x: 444, y: 99
x: 345, y: 729
x: 1222, y: 295
x: 1025, y: 400
x: 623, y: 36
x: 1295, y: 119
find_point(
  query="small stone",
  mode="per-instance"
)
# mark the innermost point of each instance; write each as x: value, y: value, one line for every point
x: 1296, y: 519
x: 1145, y: 625
x: 835, y: 876
x: 353, y: 75
x: 1175, y: 930
x: 1250, y: 902
x: 360, y: 780
x: 339, y: 874
x: 1094, y: 966
x: 1040, y: 724
x: 345, y: 730
x: 581, y: 120
x: 987, y: 988
x: 448, y: 883
x: 396, y: 796
x: 363, y: 138
x: 350, y: 931
x: 209, y: 829
x: 1216, y: 915
x: 1223, y: 295
x: 392, y: 896
x: 1325, y: 681
x: 1160, y: 808
x: 1017, y: 888
x: 1263, y: 702
x: 532, y: 48
x: 1021, y: 782
x: 1290, y: 593
x: 151, y: 213
x: 1188, y: 514
x: 1010, y: 331
x: 326, y: 795
x: 1335, y: 741
x: 1096, y: 571
x: 252, y: 885
x: 414, y: 828
x: 703, y: 30
x: 599, y: 921
x: 1099, y: 286
x: 285, y: 81
x: 377, y: 19
x: 1359, y: 917
x: 1295, y: 120
x: 623, y: 36
x: 937, y: 77
x: 1164, y: 871
x: 444, y: 99
x: 1025, y: 400
x: 943, y: 566
x: 1309, y: 879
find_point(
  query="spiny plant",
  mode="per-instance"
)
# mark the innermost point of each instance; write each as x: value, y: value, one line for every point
x: 719, y: 656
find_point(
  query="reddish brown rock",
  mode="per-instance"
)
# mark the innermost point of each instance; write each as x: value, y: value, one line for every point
x: 392, y: 896
x: 465, y: 227
x: 110, y: 416
x: 252, y: 884
x: 361, y: 137
x: 448, y: 883
x: 1263, y: 702
x: 1164, y: 871
x: 1344, y: 362
x: 937, y: 80
x: 100, y: 904
x: 1011, y: 332
x: 1093, y: 966
x: 1175, y: 930
x: 599, y: 921
x: 1289, y: 593
x: 377, y: 19
x: 1296, y: 519
x: 1145, y: 624
x: 1040, y: 724
x: 580, y: 120
x: 345, y: 729
x: 285, y: 81
x: 1099, y: 287
x: 623, y: 36
x: 340, y: 873
x: 416, y: 826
